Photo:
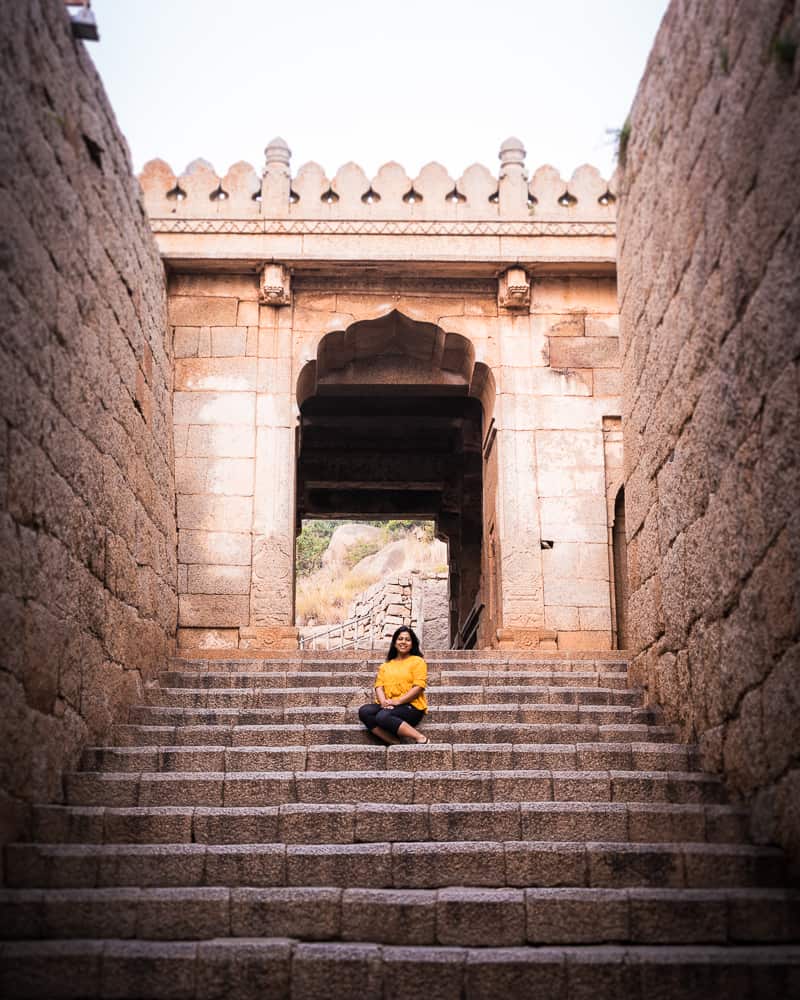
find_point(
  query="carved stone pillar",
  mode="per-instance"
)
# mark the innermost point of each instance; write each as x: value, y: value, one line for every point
x: 272, y: 575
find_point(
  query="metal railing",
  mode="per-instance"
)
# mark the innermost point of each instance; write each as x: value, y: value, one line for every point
x: 355, y: 633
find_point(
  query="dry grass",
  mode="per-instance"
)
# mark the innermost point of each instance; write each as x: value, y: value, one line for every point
x: 325, y: 596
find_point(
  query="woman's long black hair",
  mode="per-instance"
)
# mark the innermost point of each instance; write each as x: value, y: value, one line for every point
x: 392, y: 654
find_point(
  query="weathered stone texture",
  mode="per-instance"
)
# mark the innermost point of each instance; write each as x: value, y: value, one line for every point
x: 87, y: 524
x: 709, y: 245
x: 252, y: 347
x: 215, y: 407
x: 435, y: 611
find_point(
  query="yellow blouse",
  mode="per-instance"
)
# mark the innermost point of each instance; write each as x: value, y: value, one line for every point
x: 397, y: 677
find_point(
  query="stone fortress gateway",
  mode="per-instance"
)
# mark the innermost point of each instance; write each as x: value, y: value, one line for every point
x: 187, y: 807
x: 397, y: 347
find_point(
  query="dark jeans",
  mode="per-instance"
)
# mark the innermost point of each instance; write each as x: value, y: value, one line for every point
x: 389, y: 719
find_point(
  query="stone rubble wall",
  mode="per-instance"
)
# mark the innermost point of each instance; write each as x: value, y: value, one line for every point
x: 710, y: 298
x: 420, y: 600
x: 87, y: 560
x: 388, y: 605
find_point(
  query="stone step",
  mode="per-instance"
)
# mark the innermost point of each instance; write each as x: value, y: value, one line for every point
x: 365, y: 679
x: 555, y: 714
x: 223, y: 734
x: 365, y: 660
x: 345, y: 823
x: 357, y: 757
x: 457, y: 916
x: 476, y: 695
x: 258, y: 967
x: 426, y: 865
x: 257, y: 788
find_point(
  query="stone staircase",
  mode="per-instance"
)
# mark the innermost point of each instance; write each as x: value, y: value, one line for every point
x: 245, y: 837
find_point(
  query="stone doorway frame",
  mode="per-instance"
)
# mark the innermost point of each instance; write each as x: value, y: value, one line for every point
x: 393, y: 356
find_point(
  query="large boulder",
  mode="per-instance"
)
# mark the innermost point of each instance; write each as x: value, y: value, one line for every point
x: 344, y: 538
x: 401, y: 556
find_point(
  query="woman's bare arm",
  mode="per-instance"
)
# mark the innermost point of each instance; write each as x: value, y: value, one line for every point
x: 405, y: 699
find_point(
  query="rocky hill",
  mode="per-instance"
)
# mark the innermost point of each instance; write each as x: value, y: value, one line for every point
x: 357, y: 556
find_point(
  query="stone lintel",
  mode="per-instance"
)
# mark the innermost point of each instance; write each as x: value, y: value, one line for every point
x: 560, y: 248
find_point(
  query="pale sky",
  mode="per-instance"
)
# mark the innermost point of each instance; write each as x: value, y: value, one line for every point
x: 412, y: 82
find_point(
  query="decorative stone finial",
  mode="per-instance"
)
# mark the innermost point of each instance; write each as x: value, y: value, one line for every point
x: 512, y: 154
x: 278, y: 151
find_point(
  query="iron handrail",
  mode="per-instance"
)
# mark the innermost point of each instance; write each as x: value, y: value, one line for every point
x: 351, y: 641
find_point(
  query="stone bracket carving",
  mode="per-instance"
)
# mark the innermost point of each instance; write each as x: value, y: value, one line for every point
x: 274, y: 287
x: 514, y: 289
x: 517, y: 637
x: 269, y: 638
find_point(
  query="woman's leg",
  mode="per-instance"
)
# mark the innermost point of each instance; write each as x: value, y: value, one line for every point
x: 369, y: 716
x: 401, y: 721
x: 407, y: 730
x: 386, y: 736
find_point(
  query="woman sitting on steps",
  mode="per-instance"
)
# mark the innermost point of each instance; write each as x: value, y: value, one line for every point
x: 400, y: 689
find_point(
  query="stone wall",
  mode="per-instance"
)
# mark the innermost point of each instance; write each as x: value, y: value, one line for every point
x: 516, y: 273
x: 87, y: 569
x: 214, y: 319
x: 434, y: 614
x: 416, y: 599
x: 386, y: 605
x: 551, y: 376
x: 709, y: 247
x: 579, y: 319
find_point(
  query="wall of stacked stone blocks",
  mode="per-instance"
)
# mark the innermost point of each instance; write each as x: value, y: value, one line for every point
x: 434, y: 611
x: 216, y: 333
x: 708, y: 254
x: 237, y: 365
x: 420, y: 600
x: 87, y: 521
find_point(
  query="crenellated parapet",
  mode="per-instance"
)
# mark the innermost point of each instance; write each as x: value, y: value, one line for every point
x: 432, y: 196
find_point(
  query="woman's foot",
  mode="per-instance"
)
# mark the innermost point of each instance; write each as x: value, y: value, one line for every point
x: 424, y: 741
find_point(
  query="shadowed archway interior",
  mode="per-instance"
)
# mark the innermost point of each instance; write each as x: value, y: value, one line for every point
x: 390, y: 426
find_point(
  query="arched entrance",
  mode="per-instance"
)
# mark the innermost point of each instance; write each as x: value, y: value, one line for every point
x: 391, y: 425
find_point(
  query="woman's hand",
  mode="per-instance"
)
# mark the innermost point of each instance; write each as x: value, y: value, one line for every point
x: 390, y: 704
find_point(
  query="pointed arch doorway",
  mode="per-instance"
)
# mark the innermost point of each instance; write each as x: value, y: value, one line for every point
x: 391, y: 426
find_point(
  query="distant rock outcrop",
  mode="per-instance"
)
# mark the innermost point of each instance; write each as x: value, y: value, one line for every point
x: 323, y: 597
x: 400, y: 556
x: 345, y: 537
